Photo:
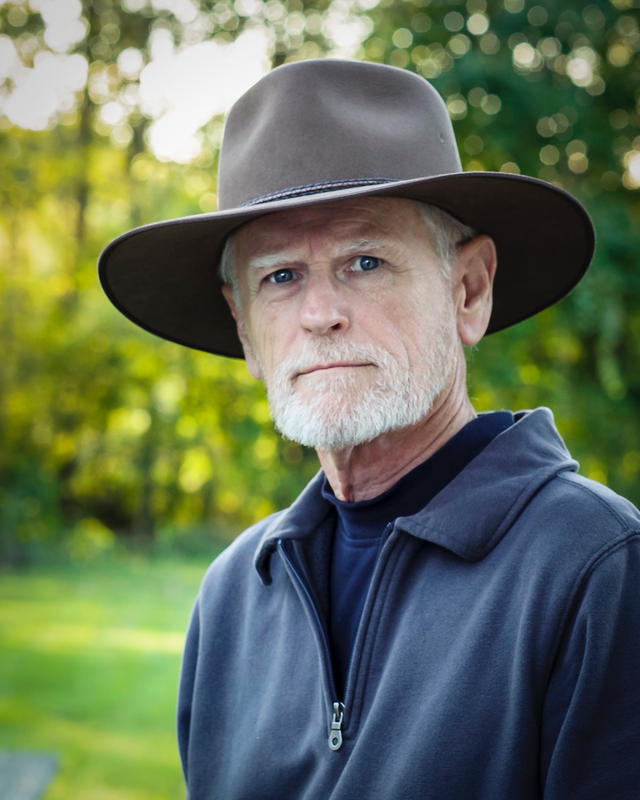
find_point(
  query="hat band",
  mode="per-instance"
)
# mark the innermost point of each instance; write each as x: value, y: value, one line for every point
x: 315, y: 188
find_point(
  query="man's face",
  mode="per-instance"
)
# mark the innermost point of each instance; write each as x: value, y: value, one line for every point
x: 347, y: 316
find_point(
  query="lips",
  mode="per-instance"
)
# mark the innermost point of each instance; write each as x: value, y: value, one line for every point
x: 333, y: 365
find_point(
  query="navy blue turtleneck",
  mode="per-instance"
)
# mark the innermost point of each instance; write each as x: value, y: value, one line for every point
x: 360, y: 525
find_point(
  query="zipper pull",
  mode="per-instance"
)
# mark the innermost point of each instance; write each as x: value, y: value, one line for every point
x: 335, y: 737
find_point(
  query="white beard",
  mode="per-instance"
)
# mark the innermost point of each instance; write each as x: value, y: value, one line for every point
x: 347, y: 407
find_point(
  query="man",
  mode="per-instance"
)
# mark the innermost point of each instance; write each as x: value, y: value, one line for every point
x: 448, y: 610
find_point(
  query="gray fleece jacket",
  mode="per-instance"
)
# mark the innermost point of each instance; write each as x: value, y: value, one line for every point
x: 497, y: 657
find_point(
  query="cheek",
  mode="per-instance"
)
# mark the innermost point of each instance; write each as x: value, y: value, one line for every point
x: 270, y: 336
x: 407, y: 321
x: 254, y: 365
x: 425, y: 322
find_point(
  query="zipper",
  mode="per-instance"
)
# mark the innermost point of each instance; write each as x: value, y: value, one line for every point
x: 337, y: 706
x: 335, y: 735
x: 337, y: 720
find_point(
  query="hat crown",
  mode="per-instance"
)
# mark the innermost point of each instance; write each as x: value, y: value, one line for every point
x: 322, y: 124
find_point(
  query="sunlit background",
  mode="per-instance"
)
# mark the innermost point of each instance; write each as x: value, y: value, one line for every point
x: 126, y: 461
x: 178, y: 86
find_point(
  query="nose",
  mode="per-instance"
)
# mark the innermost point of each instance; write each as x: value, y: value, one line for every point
x: 323, y: 306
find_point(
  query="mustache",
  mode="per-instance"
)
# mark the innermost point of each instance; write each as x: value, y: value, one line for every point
x: 323, y: 352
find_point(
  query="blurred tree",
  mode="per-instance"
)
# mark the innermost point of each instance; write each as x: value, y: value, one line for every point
x: 108, y: 432
x: 105, y: 430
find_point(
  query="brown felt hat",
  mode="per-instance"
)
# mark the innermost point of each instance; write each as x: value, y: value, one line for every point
x: 324, y: 130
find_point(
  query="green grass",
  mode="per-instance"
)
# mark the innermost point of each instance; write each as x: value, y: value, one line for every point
x: 89, y: 665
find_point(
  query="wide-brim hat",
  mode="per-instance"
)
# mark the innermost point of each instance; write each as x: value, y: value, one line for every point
x: 323, y: 130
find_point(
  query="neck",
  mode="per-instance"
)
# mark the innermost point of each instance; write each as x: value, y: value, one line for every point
x: 367, y: 470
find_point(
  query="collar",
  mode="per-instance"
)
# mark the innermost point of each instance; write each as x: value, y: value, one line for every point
x: 414, y: 490
x: 472, y: 513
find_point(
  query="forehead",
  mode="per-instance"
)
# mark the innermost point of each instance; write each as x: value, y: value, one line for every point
x: 375, y: 219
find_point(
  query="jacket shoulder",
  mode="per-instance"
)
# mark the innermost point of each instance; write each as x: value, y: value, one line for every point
x: 597, y: 501
x: 579, y: 519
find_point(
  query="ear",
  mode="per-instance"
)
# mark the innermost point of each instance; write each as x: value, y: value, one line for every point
x: 474, y: 271
x: 252, y: 362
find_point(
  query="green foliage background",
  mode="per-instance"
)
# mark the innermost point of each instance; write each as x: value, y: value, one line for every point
x: 90, y: 673
x: 110, y: 435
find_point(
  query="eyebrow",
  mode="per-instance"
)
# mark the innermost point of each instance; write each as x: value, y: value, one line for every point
x: 269, y: 261
x: 285, y: 259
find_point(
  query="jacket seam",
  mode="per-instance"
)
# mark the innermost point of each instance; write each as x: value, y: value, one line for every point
x: 579, y: 585
x: 600, y: 500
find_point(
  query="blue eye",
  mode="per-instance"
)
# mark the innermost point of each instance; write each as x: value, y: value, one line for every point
x: 281, y: 276
x: 367, y: 263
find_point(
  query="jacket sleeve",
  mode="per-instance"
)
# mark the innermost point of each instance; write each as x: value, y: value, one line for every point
x: 186, y: 688
x: 591, y: 716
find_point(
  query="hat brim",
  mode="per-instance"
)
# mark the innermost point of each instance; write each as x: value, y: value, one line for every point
x: 164, y: 276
